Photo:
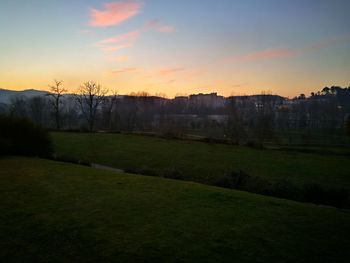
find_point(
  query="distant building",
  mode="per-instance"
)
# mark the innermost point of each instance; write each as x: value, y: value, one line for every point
x: 211, y: 100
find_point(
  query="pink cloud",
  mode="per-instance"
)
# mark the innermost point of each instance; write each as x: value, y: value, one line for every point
x: 127, y: 37
x: 327, y: 43
x: 267, y: 54
x: 158, y: 26
x: 166, y: 29
x: 127, y: 40
x: 114, y: 13
x: 288, y: 52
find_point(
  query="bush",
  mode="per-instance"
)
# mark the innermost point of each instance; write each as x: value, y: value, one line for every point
x: 316, y: 194
x: 20, y: 136
x: 285, y: 189
x: 310, y: 193
x: 141, y: 171
x: 70, y: 159
x: 254, y: 144
x: 242, y: 181
x: 173, y: 173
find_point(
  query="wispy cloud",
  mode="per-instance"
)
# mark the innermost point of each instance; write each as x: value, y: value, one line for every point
x: 127, y: 40
x: 166, y: 29
x: 127, y: 37
x: 239, y: 85
x: 124, y: 70
x: 115, y: 47
x: 277, y: 53
x: 114, y: 13
x: 267, y: 54
x: 168, y: 71
x: 191, y: 74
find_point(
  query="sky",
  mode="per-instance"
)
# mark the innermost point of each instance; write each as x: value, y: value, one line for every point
x: 232, y: 47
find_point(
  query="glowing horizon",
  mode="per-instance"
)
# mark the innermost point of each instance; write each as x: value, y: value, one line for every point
x: 176, y: 47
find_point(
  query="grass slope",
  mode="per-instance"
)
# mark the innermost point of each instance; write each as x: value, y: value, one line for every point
x: 57, y: 212
x: 204, y: 162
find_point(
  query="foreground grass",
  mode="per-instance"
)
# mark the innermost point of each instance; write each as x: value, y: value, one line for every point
x: 56, y: 212
x: 204, y: 162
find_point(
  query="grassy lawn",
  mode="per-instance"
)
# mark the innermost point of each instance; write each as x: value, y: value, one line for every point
x: 205, y: 162
x: 57, y: 212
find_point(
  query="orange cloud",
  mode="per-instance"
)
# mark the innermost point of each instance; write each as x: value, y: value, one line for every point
x: 122, y: 58
x: 114, y: 13
x: 124, y: 70
x: 116, y: 47
x: 168, y: 71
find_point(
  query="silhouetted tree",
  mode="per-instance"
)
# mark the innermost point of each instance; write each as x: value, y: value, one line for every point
x: 18, y: 107
x: 108, y: 109
x: 56, y: 94
x: 37, y: 109
x: 89, y: 97
x: 234, y: 128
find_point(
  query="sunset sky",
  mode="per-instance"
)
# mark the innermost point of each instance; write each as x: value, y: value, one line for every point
x: 176, y: 47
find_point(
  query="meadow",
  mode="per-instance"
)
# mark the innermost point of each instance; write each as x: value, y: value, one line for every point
x: 59, y: 212
x: 205, y: 162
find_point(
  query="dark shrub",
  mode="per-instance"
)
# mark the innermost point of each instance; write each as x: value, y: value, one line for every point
x: 285, y: 189
x: 311, y: 193
x: 254, y: 144
x: 317, y: 194
x: 217, y: 140
x: 70, y: 159
x: 173, y: 173
x: 142, y: 171
x: 242, y: 181
x: 22, y: 137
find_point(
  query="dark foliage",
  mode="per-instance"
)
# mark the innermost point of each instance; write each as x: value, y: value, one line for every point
x: 173, y: 173
x: 242, y: 181
x: 218, y: 140
x: 309, y: 193
x: 316, y: 194
x: 254, y: 144
x: 20, y: 136
x: 142, y: 171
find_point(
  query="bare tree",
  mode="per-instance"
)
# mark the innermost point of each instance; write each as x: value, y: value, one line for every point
x: 89, y: 96
x: 56, y: 94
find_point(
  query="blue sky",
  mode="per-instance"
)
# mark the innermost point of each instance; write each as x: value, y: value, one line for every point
x: 176, y: 47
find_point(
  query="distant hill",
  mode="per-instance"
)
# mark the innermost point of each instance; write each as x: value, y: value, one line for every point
x: 6, y: 95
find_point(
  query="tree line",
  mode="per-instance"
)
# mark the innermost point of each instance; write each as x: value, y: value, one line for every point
x: 260, y: 118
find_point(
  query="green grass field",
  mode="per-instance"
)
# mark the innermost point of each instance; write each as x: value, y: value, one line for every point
x: 58, y: 212
x: 204, y: 162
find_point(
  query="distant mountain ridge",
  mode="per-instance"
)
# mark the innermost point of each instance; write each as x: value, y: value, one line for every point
x: 6, y: 95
